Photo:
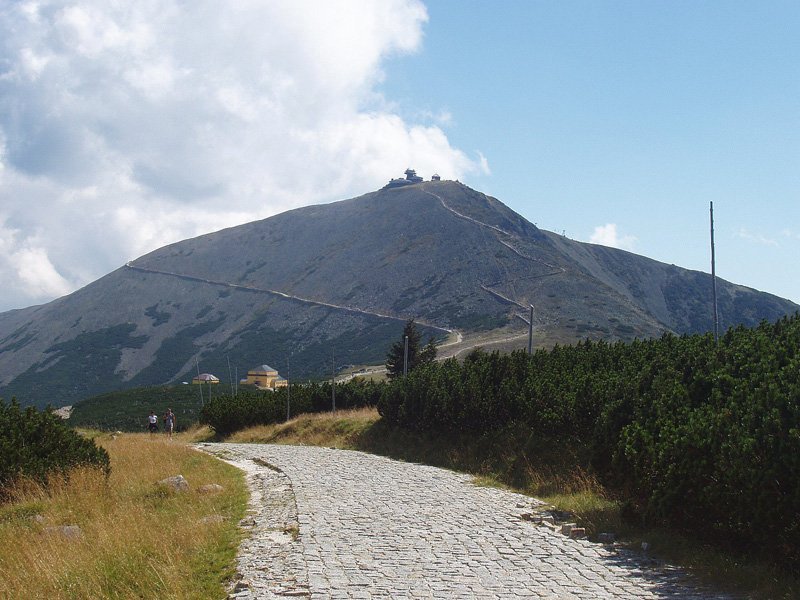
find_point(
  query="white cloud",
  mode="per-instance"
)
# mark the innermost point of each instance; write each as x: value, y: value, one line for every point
x: 484, y: 164
x: 758, y: 238
x: 126, y: 126
x: 29, y: 265
x: 606, y: 235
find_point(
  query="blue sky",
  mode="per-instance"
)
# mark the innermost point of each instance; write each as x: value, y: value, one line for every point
x: 636, y: 114
x: 128, y: 126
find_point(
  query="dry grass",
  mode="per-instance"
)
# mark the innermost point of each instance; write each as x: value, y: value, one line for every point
x: 138, y: 540
x: 196, y: 433
x: 342, y: 429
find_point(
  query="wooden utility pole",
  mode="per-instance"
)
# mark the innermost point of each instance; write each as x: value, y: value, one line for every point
x: 230, y: 375
x: 530, y: 332
x: 288, y: 387
x: 714, y: 276
x: 197, y: 366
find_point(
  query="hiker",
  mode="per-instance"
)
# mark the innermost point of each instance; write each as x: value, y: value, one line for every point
x: 169, y: 422
x: 152, y: 423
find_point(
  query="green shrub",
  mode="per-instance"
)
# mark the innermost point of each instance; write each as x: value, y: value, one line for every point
x: 226, y: 414
x: 702, y: 435
x: 35, y: 444
x: 127, y: 409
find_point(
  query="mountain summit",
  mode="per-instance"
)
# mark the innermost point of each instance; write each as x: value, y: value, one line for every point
x: 290, y: 289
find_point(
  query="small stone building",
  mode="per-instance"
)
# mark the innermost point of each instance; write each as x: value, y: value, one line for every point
x: 205, y: 378
x: 264, y: 377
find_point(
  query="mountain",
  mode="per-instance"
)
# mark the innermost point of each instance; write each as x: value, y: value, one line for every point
x: 292, y: 289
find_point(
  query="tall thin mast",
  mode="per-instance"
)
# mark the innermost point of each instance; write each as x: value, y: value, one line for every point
x: 530, y: 332
x: 230, y: 375
x: 197, y: 365
x: 405, y: 357
x: 288, y: 388
x: 714, y: 276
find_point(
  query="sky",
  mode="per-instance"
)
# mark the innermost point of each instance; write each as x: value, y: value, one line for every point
x: 128, y: 126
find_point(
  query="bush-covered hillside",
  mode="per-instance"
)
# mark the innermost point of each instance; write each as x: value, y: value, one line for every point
x: 704, y: 436
x: 127, y: 410
x: 78, y: 368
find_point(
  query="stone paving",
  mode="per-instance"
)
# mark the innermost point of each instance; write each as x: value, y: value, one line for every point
x: 328, y: 523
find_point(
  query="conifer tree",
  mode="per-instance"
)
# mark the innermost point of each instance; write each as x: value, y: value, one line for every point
x: 417, y: 354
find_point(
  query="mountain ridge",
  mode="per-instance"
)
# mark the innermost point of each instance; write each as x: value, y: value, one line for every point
x: 348, y: 274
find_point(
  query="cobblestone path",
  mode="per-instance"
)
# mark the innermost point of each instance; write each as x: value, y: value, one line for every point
x: 339, y: 524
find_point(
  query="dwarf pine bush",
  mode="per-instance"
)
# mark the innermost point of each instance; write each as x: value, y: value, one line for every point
x: 226, y: 414
x: 701, y: 435
x: 36, y: 444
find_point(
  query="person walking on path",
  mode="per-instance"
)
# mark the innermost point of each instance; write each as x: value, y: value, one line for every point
x: 169, y: 422
x: 152, y: 423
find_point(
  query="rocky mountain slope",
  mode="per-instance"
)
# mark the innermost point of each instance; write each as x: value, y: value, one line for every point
x: 292, y: 289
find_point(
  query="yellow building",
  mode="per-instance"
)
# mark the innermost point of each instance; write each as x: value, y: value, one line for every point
x: 205, y: 378
x: 264, y: 377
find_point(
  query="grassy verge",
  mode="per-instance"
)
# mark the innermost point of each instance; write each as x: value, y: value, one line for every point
x: 137, y: 539
x: 554, y: 472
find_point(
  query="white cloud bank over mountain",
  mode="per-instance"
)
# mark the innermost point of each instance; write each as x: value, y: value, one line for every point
x: 128, y: 125
x: 606, y: 235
